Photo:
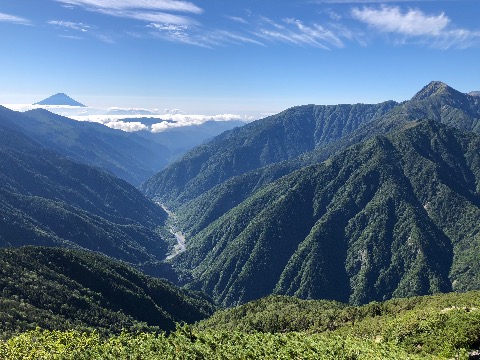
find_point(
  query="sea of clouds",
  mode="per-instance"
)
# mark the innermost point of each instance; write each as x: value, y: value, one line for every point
x: 133, y: 119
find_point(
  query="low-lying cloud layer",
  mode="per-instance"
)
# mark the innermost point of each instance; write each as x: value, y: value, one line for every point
x: 133, y: 119
x: 165, y: 122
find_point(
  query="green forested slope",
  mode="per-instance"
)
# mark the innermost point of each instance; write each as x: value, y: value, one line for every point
x: 270, y: 140
x: 395, y: 216
x: 65, y: 289
x: 281, y: 314
x: 436, y: 101
x: 46, y: 199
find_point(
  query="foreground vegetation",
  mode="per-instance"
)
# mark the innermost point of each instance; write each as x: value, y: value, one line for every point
x: 432, y: 327
x: 185, y: 344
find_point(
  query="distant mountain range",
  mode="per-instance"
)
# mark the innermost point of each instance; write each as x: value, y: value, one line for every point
x: 60, y: 99
x: 265, y: 213
x: 126, y: 155
x: 132, y: 156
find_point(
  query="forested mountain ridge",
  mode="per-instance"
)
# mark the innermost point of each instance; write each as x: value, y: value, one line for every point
x: 66, y: 289
x: 46, y: 199
x: 436, y: 101
x: 126, y: 155
x: 395, y: 216
x: 273, y: 139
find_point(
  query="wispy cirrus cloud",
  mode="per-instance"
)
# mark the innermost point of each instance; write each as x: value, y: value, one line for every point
x: 71, y: 37
x: 369, y: 1
x: 435, y: 30
x: 412, y: 22
x: 176, y: 21
x: 83, y: 28
x: 70, y: 25
x: 151, y: 5
x: 160, y: 17
x: 105, y: 38
x: 237, y: 19
x: 14, y: 19
x: 162, y: 11
x: 295, y: 31
x: 199, y: 36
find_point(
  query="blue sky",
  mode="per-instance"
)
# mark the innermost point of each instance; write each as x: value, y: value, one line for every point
x: 235, y: 56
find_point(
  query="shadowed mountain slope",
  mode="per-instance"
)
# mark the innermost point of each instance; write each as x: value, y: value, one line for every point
x: 46, y: 199
x: 65, y: 289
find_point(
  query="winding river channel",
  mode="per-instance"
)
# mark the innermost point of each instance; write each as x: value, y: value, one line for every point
x: 179, y: 236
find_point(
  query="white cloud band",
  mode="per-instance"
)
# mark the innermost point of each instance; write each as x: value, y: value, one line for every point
x: 151, y: 5
x: 14, y: 19
x: 412, y: 23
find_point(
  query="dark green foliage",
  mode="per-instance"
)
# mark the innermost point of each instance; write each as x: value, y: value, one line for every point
x: 65, y: 289
x: 369, y: 224
x: 46, y: 199
x: 197, y: 214
x: 279, y: 314
x: 285, y: 314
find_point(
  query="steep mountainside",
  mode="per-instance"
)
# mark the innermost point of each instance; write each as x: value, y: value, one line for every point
x: 65, y: 289
x: 46, y: 199
x: 392, y: 217
x: 273, y: 139
x: 436, y: 101
x: 126, y: 155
